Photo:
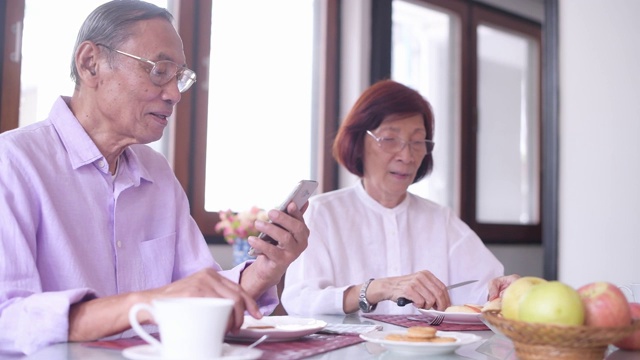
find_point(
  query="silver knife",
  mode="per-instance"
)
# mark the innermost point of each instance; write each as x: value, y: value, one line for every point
x: 402, y: 301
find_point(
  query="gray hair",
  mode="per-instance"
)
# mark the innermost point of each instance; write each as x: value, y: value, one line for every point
x: 110, y: 24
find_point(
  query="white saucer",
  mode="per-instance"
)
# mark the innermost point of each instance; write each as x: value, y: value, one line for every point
x: 229, y: 352
x: 278, y: 328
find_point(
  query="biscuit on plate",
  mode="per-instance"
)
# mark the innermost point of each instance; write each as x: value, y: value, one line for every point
x: 406, y: 338
x: 396, y: 337
x: 421, y: 332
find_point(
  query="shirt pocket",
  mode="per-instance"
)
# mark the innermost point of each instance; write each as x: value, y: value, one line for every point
x: 158, y: 258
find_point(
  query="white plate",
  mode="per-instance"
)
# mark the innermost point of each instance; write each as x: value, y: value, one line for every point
x: 421, y: 348
x: 453, y: 317
x: 229, y: 352
x: 278, y: 328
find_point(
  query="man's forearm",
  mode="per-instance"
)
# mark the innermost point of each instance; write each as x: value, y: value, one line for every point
x: 97, y: 318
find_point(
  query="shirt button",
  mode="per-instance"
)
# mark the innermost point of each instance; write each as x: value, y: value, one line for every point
x: 119, y: 244
x: 101, y: 163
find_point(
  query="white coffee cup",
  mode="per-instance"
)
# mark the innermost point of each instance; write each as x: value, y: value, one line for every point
x: 190, y: 328
x: 632, y: 291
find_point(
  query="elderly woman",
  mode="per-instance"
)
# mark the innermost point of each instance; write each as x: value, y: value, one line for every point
x: 375, y: 241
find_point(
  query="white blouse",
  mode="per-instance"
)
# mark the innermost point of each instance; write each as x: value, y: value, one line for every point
x: 354, y: 238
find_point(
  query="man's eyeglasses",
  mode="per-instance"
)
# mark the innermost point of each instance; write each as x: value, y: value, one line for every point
x: 394, y: 145
x: 163, y: 71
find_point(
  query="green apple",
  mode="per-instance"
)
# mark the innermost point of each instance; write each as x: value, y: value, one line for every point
x: 552, y: 302
x: 514, y: 293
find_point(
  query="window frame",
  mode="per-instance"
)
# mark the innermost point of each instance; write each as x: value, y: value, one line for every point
x: 471, y: 14
x: 190, y: 136
x: 194, y: 22
x: 495, y: 233
x: 13, y: 13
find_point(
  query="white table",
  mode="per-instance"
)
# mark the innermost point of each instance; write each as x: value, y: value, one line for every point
x: 491, y: 347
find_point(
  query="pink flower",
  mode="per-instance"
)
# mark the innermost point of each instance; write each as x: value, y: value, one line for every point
x: 239, y: 225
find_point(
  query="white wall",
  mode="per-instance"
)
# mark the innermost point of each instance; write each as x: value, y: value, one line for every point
x: 599, y: 194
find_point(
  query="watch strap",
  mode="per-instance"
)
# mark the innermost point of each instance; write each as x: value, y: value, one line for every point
x: 365, y: 306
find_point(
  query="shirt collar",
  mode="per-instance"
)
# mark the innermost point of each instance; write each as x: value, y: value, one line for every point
x: 372, y: 203
x: 81, y: 149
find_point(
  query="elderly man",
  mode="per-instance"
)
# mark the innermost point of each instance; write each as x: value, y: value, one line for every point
x: 93, y: 220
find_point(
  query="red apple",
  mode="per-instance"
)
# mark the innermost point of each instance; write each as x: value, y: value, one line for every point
x: 632, y: 342
x: 605, y: 305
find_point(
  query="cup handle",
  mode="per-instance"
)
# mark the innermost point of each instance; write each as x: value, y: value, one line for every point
x: 133, y: 320
x: 625, y: 289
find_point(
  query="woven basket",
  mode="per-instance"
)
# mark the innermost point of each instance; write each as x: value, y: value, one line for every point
x: 533, y: 341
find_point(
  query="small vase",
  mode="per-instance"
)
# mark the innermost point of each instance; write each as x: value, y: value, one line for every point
x: 240, y: 251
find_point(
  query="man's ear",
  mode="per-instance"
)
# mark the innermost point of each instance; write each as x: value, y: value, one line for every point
x: 87, y: 62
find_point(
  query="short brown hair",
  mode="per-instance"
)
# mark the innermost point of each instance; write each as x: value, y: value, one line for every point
x: 376, y: 103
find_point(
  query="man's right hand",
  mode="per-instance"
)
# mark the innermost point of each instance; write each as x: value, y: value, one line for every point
x: 209, y: 283
x: 105, y: 316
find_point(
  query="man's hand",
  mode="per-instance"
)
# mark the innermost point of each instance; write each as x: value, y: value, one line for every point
x: 97, y: 318
x: 291, y: 233
x: 209, y: 283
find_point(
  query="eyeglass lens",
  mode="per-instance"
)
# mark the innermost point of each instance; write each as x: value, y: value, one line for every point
x: 165, y: 70
x: 393, y: 145
x: 396, y: 145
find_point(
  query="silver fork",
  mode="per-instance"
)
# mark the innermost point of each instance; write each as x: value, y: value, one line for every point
x: 437, y: 320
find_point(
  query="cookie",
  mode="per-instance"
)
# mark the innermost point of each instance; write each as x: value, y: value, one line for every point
x: 395, y: 337
x: 260, y: 327
x: 421, y: 332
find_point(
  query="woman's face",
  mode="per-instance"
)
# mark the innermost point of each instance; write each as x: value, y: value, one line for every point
x: 387, y: 175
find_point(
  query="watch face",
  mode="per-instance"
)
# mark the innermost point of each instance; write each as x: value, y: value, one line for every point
x: 363, y: 306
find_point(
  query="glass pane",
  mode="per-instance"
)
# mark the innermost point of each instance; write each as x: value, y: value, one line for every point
x: 47, y: 49
x: 426, y: 58
x: 508, y: 135
x: 260, y: 85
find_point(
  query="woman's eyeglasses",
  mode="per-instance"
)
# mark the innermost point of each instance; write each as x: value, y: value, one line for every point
x: 163, y: 71
x: 394, y: 145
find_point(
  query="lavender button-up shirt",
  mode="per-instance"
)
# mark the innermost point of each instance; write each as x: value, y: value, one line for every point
x: 70, y: 231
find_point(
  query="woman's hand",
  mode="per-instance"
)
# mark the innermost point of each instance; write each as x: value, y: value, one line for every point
x: 423, y: 288
x: 499, y: 284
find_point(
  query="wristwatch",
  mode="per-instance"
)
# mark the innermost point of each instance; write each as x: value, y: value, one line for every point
x: 363, y: 303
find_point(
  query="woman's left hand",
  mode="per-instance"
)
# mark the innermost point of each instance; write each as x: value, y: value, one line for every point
x: 499, y: 284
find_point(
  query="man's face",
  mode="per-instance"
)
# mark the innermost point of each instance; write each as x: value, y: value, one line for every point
x: 135, y: 108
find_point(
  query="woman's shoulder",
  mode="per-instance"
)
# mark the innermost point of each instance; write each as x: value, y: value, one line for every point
x: 427, y: 204
x: 331, y: 202
x: 332, y: 196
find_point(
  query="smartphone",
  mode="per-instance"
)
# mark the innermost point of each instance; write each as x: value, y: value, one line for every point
x: 299, y: 196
